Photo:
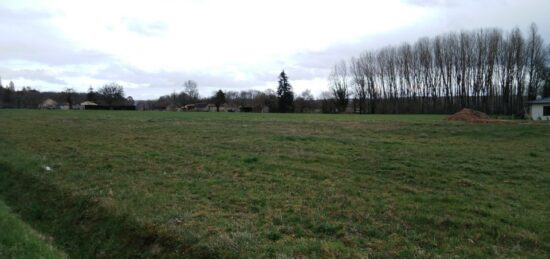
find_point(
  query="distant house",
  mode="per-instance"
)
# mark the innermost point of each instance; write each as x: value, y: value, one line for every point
x: 171, y: 107
x: 246, y: 109
x: 66, y: 106
x: 189, y: 107
x: 201, y: 107
x: 88, y: 104
x: 539, y: 109
x: 229, y: 108
x: 223, y: 108
x: 48, y: 104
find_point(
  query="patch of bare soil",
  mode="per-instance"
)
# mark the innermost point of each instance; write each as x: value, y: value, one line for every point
x: 469, y: 115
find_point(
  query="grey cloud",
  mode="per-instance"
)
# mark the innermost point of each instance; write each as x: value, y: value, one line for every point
x: 145, y: 28
x: 473, y: 14
x: 318, y: 63
x: 454, y: 16
x: 159, y: 83
x: 165, y: 78
x: 428, y: 3
x: 32, y: 74
x: 447, y: 3
x: 28, y: 36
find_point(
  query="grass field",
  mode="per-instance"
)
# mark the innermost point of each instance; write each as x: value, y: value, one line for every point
x: 129, y: 184
x: 18, y: 240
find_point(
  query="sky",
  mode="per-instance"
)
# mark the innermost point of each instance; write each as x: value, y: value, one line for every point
x: 153, y: 47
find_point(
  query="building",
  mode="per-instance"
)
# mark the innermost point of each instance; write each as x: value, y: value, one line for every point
x: 189, y: 107
x: 229, y: 108
x: 540, y: 109
x: 87, y: 104
x: 48, y: 104
x: 201, y: 107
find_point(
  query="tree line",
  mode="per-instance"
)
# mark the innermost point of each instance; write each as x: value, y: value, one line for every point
x: 486, y: 69
x: 111, y: 94
x: 281, y: 100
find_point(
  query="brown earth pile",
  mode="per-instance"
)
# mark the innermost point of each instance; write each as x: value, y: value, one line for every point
x: 470, y: 115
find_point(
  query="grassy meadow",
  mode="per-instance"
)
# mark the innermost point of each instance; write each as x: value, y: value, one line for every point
x: 142, y: 184
x: 18, y: 240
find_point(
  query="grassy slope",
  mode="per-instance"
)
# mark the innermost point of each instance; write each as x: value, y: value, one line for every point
x: 224, y: 184
x: 18, y: 240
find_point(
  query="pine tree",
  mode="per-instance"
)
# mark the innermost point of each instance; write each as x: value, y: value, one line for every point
x: 285, y: 94
x: 219, y: 99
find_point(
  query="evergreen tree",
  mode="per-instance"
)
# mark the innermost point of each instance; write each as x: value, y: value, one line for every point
x: 219, y: 99
x: 285, y: 94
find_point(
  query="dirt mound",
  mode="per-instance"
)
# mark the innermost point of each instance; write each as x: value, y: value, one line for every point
x: 470, y: 115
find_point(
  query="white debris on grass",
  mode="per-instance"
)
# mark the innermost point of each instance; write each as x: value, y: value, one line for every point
x: 47, y: 168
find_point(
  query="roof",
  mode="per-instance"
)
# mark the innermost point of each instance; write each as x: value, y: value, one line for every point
x: 541, y: 101
x: 49, y: 102
x: 201, y: 105
x: 87, y: 103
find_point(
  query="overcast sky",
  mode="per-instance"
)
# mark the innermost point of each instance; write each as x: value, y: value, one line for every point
x: 152, y: 47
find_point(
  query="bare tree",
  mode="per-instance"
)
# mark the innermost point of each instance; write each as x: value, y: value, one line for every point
x: 339, y: 85
x: 304, y: 102
x: 69, y: 96
x: 111, y: 93
x: 360, y: 83
x: 368, y: 68
x: 327, y: 102
x: 130, y: 100
x: 191, y: 89
x: 535, y: 62
x: 479, y: 69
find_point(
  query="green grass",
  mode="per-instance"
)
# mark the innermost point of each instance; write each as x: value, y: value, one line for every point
x: 128, y: 184
x: 18, y: 240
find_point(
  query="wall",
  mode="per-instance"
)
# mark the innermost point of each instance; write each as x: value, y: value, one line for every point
x: 536, y: 111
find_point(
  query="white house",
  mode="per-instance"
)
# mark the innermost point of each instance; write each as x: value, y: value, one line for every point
x: 86, y: 103
x: 48, y: 104
x: 540, y: 109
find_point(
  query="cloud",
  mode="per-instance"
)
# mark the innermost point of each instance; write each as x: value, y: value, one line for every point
x: 431, y: 3
x: 471, y: 14
x: 155, y: 47
x: 33, y: 74
x: 28, y: 35
x: 145, y: 28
